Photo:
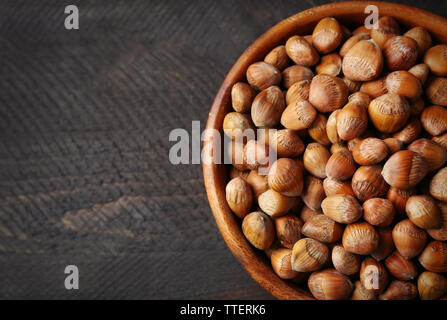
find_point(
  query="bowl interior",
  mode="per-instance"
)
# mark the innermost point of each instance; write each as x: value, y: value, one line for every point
x: 350, y: 14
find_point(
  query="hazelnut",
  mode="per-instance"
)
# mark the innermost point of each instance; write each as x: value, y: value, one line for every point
x: 330, y: 285
x: 298, y: 115
x: 389, y: 112
x: 327, y: 93
x: 322, y: 228
x: 286, y: 177
x: 409, y: 239
x: 378, y: 212
x: 301, y: 51
x: 239, y: 196
x: 405, y: 169
x: 327, y: 35
x: 267, y: 107
x: 360, y: 238
x: 342, y: 208
x: 309, y: 255
x: 261, y: 75
x: 258, y: 228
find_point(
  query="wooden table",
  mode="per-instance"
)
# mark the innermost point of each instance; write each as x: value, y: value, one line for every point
x: 85, y: 116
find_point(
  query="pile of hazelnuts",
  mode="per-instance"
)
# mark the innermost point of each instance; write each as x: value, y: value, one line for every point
x: 354, y: 203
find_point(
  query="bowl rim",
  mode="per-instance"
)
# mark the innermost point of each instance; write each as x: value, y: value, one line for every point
x: 214, y: 175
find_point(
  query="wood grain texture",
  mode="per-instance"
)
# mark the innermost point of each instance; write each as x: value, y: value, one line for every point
x: 84, y: 123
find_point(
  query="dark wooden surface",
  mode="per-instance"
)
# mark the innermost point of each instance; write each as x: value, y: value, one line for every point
x: 85, y: 116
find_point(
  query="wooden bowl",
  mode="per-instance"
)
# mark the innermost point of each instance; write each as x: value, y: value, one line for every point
x: 215, y: 175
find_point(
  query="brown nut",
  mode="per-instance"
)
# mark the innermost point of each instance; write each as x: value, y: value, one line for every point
x: 261, y: 75
x: 315, y: 159
x: 404, y: 84
x: 352, y: 121
x: 340, y: 166
x: 373, y: 275
x: 436, y: 59
x: 287, y: 144
x: 286, y: 177
x: 431, y: 285
x: 281, y: 264
x: 378, y: 212
x: 267, y: 107
x: 405, y: 169
x: 295, y: 74
x: 409, y: 239
x: 298, y: 115
x: 278, y: 58
x: 309, y: 255
x: 360, y: 238
x: 342, y: 208
x: 436, y: 91
x: 275, y: 204
x: 363, y: 62
x: 345, y: 262
x: 327, y: 93
x: 400, y: 290
x: 313, y: 192
x: 288, y: 230
x: 368, y: 183
x: 259, y: 230
x: 301, y: 52
x: 400, y: 267
x: 434, y: 257
x: 389, y: 113
x: 386, y: 244
x: 322, y: 228
x: 370, y: 151
x: 330, y: 285
x: 423, y: 212
x: 400, y: 53
x: 242, y: 96
x: 327, y: 35
x: 239, y: 196
x: 434, y: 120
